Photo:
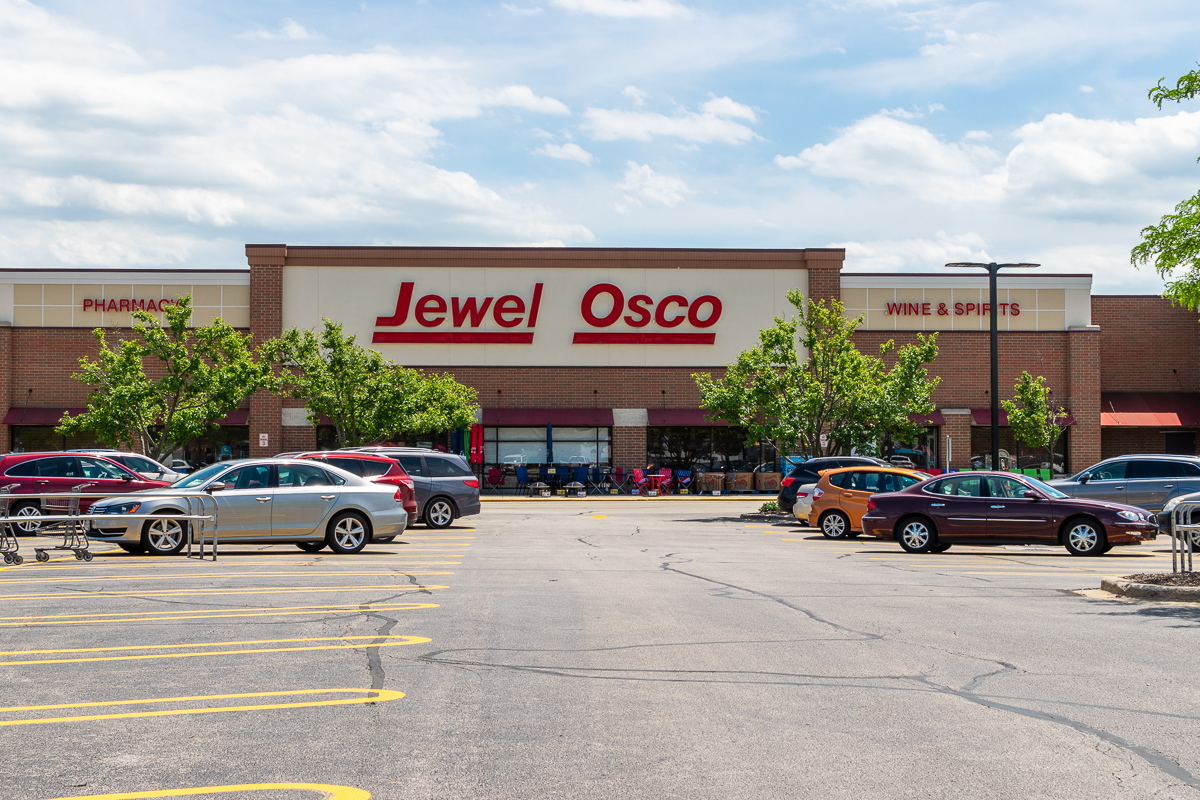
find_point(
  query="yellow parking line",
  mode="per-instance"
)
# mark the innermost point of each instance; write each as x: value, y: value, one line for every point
x: 327, y: 791
x: 173, y: 616
x: 371, y: 696
x: 199, y: 576
x: 257, y: 650
x: 405, y: 587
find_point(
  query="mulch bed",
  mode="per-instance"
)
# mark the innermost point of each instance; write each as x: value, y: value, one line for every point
x: 1166, y: 578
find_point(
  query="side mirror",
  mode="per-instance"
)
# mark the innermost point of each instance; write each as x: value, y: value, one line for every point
x: 126, y: 478
x: 1032, y: 495
x: 1084, y: 478
x: 215, y: 486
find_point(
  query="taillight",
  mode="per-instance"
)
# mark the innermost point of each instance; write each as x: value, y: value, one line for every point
x: 870, y: 504
x: 801, y: 494
x: 788, y: 481
x: 399, y: 496
x: 472, y: 482
x: 817, y: 493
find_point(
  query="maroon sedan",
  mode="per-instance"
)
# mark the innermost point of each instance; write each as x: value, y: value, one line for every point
x: 1001, y: 508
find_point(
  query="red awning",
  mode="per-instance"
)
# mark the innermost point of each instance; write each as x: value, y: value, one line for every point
x: 935, y: 418
x: 678, y: 416
x: 527, y: 417
x: 983, y: 416
x: 41, y: 415
x: 1150, y: 410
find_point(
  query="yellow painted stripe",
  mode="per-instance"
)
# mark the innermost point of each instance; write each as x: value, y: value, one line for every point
x: 327, y: 791
x: 198, y: 576
x: 173, y: 616
x: 371, y: 696
x: 221, y: 592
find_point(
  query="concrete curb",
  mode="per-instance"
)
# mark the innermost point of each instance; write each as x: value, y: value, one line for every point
x: 1150, y: 591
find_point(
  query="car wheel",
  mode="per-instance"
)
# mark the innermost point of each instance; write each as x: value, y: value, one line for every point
x: 347, y: 533
x: 834, y: 524
x: 1195, y: 541
x: 439, y: 513
x: 27, y: 511
x: 1084, y: 537
x: 940, y: 548
x: 311, y: 547
x: 130, y: 548
x: 917, y: 535
x: 164, y: 536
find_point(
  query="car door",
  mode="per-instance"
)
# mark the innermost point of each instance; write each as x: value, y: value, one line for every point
x: 303, y: 498
x: 1014, y: 517
x: 414, y: 465
x: 105, y: 477
x: 857, y: 487
x: 244, y: 505
x: 1148, y: 481
x: 958, y: 507
x: 1105, y: 482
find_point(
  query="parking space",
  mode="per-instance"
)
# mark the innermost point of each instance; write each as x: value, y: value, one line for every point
x: 588, y: 650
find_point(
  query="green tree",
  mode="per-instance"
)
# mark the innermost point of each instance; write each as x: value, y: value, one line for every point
x: 367, y: 397
x: 200, y: 375
x: 1172, y: 246
x: 1034, y: 420
x: 855, y: 400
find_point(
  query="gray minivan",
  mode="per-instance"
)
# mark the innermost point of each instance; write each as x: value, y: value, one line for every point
x: 446, y: 488
x: 1145, y: 481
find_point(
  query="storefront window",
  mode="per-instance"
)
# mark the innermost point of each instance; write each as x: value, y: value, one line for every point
x: 1013, y: 454
x: 709, y: 448
x: 42, y: 438
x: 225, y: 443
x: 922, y: 453
x: 547, y: 444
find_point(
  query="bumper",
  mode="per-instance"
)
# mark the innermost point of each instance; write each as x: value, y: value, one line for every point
x: 1132, y: 532
x: 787, y: 504
x: 877, y: 526
x: 470, y: 509
x: 392, y: 522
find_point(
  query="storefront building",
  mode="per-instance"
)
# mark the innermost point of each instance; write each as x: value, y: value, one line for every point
x: 587, y: 355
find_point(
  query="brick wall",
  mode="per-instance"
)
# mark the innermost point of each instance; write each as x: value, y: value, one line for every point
x: 825, y: 283
x: 1083, y: 440
x: 958, y: 428
x: 1123, y: 441
x: 266, y: 322
x: 629, y: 447
x: 1163, y: 356
x: 572, y: 387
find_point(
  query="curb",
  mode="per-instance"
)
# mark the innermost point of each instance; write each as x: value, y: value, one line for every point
x: 1150, y: 591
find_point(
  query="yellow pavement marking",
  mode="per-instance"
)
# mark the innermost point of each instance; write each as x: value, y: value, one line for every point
x: 327, y: 791
x: 300, y: 561
x: 437, y: 537
x: 202, y: 576
x: 372, y: 696
x: 172, y: 616
x: 401, y: 640
x: 599, y: 516
x: 226, y: 592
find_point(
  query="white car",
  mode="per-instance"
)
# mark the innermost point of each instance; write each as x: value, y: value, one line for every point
x: 143, y: 465
x: 804, y: 500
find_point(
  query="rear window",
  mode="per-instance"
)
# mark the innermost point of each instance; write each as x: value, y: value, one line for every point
x: 373, y: 469
x: 839, y: 478
x: 447, y: 467
x: 351, y: 465
x: 53, y: 467
x: 1155, y: 469
x: 411, y: 464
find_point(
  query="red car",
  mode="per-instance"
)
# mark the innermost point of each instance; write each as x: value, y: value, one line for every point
x: 377, y: 469
x: 1002, y: 508
x: 35, y: 473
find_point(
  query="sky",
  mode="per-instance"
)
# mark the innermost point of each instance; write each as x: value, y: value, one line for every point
x: 157, y: 133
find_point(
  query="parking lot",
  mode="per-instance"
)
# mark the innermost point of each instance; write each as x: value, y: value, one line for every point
x: 601, y: 649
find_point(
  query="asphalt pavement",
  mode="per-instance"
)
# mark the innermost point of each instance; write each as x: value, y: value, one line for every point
x: 586, y: 649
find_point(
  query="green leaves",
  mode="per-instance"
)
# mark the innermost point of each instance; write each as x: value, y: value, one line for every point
x: 200, y: 374
x: 1186, y: 88
x: 1033, y: 419
x: 367, y: 397
x: 807, y: 378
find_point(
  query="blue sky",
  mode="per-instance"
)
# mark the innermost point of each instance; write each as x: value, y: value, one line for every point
x: 911, y: 132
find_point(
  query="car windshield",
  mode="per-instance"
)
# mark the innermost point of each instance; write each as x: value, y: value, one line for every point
x: 1046, y: 489
x: 201, y: 477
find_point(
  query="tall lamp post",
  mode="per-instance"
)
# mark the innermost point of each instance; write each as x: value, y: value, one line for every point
x: 993, y: 268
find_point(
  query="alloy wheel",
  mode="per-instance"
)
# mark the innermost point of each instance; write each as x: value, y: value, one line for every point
x: 349, y: 533
x: 915, y: 535
x: 1083, y: 537
x: 29, y: 511
x: 834, y: 526
x: 164, y: 535
x: 439, y: 514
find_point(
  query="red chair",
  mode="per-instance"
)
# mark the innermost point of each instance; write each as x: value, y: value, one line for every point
x: 665, y: 475
x: 495, y: 479
x: 640, y: 481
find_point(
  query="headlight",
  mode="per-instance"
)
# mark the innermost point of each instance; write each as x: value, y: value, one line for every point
x: 1130, y: 515
x: 121, y: 508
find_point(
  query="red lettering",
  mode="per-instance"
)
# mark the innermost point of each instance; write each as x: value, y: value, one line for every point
x: 972, y: 307
x: 985, y: 308
x: 1015, y: 309
x: 895, y: 308
x: 470, y: 308
x: 958, y: 310
x: 431, y: 304
x: 124, y: 304
x: 508, y: 304
x: 694, y: 311
x: 589, y: 298
x: 112, y: 305
x: 925, y: 310
x: 402, y: 301
x: 151, y: 306
x: 1003, y: 308
x: 140, y: 305
x: 537, y: 301
x: 640, y: 317
x: 88, y: 304
x: 660, y: 314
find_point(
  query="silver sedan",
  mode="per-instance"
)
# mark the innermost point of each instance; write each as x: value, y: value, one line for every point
x: 261, y: 501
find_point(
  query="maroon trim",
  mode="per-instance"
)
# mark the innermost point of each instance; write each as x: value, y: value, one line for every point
x: 451, y: 337
x: 631, y: 337
x: 1149, y: 410
x: 528, y: 417
x: 51, y: 415
x: 935, y: 418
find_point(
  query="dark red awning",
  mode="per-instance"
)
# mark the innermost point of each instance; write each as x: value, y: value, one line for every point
x: 1150, y: 409
x: 50, y: 415
x: 983, y: 416
x: 934, y: 418
x: 528, y: 417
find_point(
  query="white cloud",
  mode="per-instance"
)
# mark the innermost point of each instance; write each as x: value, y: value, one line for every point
x: 713, y: 123
x: 567, y: 152
x: 642, y: 184
x: 289, y: 29
x: 522, y: 10
x: 914, y: 254
x: 637, y: 95
x: 523, y: 97
x: 1086, y: 89
x: 626, y: 9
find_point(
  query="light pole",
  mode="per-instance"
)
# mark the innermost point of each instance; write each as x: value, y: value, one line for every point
x: 993, y: 268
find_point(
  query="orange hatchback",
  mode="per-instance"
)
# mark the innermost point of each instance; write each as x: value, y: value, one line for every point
x: 840, y: 497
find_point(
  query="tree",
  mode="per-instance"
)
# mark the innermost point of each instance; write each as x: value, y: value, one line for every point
x: 202, y: 375
x: 852, y: 399
x: 1174, y: 243
x: 368, y: 398
x: 1034, y: 420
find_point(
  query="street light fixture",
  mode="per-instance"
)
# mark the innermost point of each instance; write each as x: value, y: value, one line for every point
x: 993, y: 268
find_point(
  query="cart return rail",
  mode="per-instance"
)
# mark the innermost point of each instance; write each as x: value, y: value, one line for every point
x: 1185, y: 533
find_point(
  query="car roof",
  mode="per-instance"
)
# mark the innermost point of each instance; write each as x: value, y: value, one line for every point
x: 874, y: 468
x: 1152, y: 457
x: 343, y: 454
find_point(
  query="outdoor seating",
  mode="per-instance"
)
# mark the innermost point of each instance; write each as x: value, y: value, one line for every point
x: 597, y: 480
x: 620, y: 480
x: 523, y: 479
x: 640, y: 481
x: 579, y: 474
x: 494, y: 480
x: 683, y: 481
x: 553, y: 476
x: 666, y: 485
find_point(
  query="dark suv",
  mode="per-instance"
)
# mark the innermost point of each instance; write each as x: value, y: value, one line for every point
x: 446, y: 487
x: 810, y: 472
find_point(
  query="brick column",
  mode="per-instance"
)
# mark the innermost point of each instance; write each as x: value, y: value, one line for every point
x: 958, y: 428
x: 5, y: 382
x: 1083, y: 400
x: 824, y: 273
x: 629, y: 438
x: 266, y: 321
